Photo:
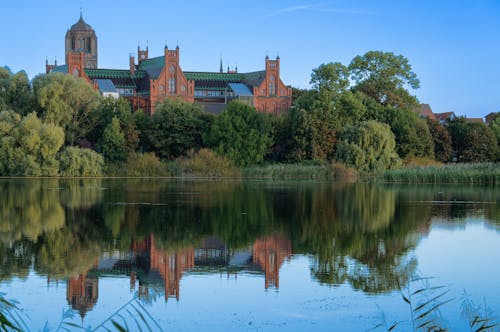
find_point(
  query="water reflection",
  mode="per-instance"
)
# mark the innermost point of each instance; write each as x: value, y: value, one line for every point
x: 154, y: 232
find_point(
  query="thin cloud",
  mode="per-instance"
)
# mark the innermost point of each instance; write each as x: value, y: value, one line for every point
x: 319, y: 7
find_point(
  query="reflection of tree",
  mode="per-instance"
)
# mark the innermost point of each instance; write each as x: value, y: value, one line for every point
x: 368, y: 243
x: 28, y: 208
x: 357, y: 233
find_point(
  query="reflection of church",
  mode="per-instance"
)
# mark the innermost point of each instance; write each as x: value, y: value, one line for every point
x: 82, y: 293
x: 151, y: 266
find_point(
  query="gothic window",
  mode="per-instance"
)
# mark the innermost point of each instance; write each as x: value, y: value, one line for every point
x: 73, y: 43
x: 76, y: 72
x: 171, y: 85
x: 272, y: 85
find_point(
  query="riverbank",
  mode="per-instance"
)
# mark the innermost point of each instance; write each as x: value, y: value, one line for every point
x: 484, y: 173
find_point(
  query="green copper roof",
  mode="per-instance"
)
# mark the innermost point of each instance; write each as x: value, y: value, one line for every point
x: 60, y: 69
x: 113, y: 73
x: 207, y: 76
x: 153, y: 66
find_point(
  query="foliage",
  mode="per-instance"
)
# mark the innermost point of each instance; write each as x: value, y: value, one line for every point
x: 139, y: 165
x: 412, y: 135
x: 80, y: 162
x: 442, y: 141
x: 307, y: 135
x: 15, y: 92
x: 329, y: 80
x: 28, y: 146
x: 486, y: 173
x: 472, y: 142
x: 495, y: 127
x: 479, y: 318
x: 10, y: 316
x: 242, y: 134
x: 67, y: 101
x: 110, y: 108
x: 175, y: 128
x: 368, y: 147
x: 481, y: 144
x: 383, y: 76
x: 113, y: 142
x: 205, y: 163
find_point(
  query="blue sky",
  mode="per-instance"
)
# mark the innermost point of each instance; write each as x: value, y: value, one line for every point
x: 453, y: 46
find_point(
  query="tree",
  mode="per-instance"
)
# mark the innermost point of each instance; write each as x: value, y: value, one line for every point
x: 330, y: 80
x: 67, y: 101
x: 472, y: 142
x: 384, y: 76
x: 442, y: 141
x: 495, y: 128
x: 28, y: 146
x: 480, y: 143
x: 20, y: 98
x: 113, y: 142
x: 175, y: 128
x: 242, y: 134
x: 412, y: 135
x: 368, y: 147
x: 107, y: 110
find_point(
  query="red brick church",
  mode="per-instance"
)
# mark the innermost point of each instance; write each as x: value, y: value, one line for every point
x: 149, y: 80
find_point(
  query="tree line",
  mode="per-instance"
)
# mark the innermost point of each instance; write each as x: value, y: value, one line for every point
x: 359, y: 115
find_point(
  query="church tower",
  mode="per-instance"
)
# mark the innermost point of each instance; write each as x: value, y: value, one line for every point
x: 81, y: 38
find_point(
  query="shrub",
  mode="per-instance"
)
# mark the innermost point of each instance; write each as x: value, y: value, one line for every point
x: 206, y: 163
x: 80, y: 162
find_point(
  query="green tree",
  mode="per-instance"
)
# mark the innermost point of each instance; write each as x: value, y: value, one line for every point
x: 175, y: 128
x: 28, y: 146
x: 242, y: 134
x: 480, y: 143
x: 20, y: 96
x: 368, y: 147
x: 495, y: 128
x: 67, y: 101
x: 384, y: 76
x: 80, y: 162
x: 413, y: 138
x: 472, y: 142
x: 113, y: 142
x: 442, y: 141
x: 107, y: 110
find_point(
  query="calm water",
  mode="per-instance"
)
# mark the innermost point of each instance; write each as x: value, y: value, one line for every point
x: 246, y: 256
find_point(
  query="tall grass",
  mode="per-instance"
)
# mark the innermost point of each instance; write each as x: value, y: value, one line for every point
x: 485, y: 173
x: 314, y: 170
x: 321, y: 171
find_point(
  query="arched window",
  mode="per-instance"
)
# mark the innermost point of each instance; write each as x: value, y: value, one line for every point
x: 76, y: 72
x: 171, y: 85
x: 272, y: 85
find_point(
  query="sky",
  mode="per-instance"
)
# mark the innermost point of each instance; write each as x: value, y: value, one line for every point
x: 453, y: 46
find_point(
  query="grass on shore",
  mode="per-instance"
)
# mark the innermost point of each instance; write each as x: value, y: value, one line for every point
x: 484, y: 173
x: 301, y: 171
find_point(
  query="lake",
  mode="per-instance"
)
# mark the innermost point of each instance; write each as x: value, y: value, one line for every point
x: 163, y: 254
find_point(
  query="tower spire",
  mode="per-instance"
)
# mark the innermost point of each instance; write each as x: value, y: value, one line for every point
x: 221, y: 70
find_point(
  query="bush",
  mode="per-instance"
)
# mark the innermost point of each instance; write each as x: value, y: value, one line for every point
x: 80, y: 162
x: 205, y: 163
x: 139, y: 165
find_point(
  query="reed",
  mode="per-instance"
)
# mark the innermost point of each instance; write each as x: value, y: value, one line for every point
x: 321, y: 171
x: 484, y: 173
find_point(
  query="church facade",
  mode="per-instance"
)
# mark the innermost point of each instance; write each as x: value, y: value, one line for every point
x: 149, y: 80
